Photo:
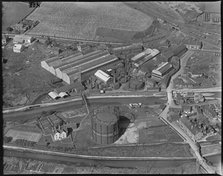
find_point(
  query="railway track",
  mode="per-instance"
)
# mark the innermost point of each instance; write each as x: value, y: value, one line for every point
x: 68, y: 39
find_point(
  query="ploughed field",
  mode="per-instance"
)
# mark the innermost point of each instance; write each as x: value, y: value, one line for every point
x: 80, y: 20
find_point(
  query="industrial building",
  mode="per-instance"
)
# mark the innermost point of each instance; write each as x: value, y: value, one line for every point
x: 128, y: 47
x: 180, y: 50
x: 104, y: 127
x: 104, y: 77
x: 162, y: 70
x: 144, y: 56
x: 72, y: 68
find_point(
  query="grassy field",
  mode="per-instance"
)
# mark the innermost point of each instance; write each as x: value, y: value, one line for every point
x: 162, y: 150
x: 13, y: 12
x: 156, y: 9
x: 27, y: 135
x: 81, y: 19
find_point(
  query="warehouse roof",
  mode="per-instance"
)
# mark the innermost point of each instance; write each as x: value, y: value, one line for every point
x: 94, y: 64
x: 163, y: 67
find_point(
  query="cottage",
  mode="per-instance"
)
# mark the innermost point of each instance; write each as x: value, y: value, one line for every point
x: 18, y: 48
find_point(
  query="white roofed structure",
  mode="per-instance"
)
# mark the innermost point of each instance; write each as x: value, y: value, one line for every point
x: 102, y: 76
x: 53, y: 95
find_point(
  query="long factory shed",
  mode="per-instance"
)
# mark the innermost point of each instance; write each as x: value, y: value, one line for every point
x: 72, y: 67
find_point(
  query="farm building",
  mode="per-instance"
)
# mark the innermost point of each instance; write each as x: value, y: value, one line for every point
x: 144, y: 56
x: 162, y: 69
x: 193, y: 44
x: 72, y: 68
x: 23, y: 39
x: 104, y: 77
x: 18, y: 48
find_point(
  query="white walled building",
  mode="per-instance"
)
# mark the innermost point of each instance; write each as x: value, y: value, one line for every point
x: 102, y: 76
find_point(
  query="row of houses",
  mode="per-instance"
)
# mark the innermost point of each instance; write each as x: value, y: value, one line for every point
x: 71, y: 68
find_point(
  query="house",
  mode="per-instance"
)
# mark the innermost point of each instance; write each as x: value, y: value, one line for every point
x: 23, y: 39
x: 192, y: 131
x: 18, y: 48
x: 104, y: 77
x: 60, y: 133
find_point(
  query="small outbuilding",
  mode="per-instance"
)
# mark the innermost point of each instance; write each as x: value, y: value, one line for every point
x: 21, y: 39
x: 18, y: 48
x: 63, y: 94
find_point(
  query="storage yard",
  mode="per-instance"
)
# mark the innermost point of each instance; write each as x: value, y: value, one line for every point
x: 85, y: 18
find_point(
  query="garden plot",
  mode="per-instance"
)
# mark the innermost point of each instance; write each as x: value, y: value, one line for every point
x: 27, y: 135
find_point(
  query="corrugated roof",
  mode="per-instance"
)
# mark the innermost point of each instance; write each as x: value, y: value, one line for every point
x: 166, y: 66
x: 82, y: 61
x: 96, y: 64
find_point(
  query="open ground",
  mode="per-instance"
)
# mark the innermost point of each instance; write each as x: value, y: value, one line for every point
x: 13, y: 12
x: 81, y: 19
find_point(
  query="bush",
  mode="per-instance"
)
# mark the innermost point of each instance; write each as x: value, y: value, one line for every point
x: 7, y: 139
x: 9, y: 29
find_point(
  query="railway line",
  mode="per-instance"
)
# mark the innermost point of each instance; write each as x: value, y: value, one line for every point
x: 68, y: 39
x: 110, y: 161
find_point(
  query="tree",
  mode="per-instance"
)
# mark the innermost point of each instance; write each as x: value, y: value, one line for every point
x: 7, y: 139
x: 9, y: 29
